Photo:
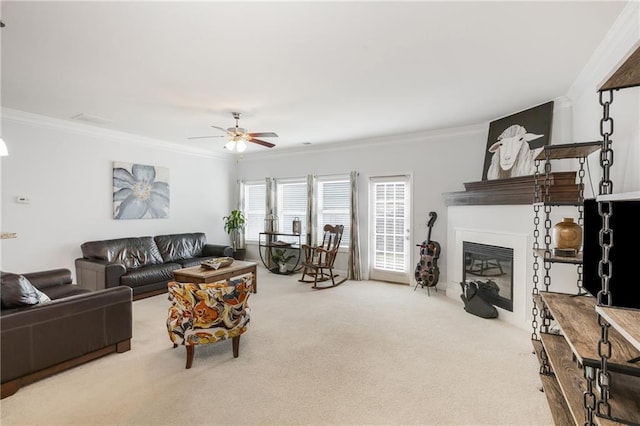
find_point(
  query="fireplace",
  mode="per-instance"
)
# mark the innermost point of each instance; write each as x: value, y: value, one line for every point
x: 492, y: 266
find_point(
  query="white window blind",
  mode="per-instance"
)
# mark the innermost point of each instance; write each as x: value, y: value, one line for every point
x: 254, y: 210
x: 334, y: 202
x: 292, y: 203
x: 389, y: 229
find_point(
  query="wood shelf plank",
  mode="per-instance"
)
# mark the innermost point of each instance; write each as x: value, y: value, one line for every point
x: 568, y: 374
x: 514, y: 191
x: 625, y: 390
x: 577, y: 319
x: 627, y: 74
x: 621, y: 196
x: 557, y: 404
x: 577, y: 260
x: 570, y: 150
x: 625, y: 320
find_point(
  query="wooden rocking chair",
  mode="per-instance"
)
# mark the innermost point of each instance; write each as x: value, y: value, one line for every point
x: 318, y: 262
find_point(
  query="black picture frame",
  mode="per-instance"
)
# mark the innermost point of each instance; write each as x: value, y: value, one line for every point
x: 536, y: 123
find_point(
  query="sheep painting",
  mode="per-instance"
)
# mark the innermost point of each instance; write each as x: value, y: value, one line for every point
x: 512, y: 155
x: 514, y: 142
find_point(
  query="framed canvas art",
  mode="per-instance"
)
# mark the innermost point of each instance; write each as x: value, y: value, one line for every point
x: 140, y: 191
x: 515, y: 141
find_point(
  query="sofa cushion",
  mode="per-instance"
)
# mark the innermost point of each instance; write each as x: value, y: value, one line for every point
x: 17, y: 291
x: 131, y: 252
x: 60, y: 291
x: 149, y: 275
x: 187, y: 263
x: 180, y: 246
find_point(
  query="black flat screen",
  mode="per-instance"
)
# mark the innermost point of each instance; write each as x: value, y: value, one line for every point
x: 624, y: 284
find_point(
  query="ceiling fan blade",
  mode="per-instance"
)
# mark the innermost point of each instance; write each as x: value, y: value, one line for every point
x: 263, y: 135
x: 220, y: 128
x: 261, y: 142
x: 204, y: 137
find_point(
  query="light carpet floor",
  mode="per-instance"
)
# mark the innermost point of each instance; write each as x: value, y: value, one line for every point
x: 362, y: 353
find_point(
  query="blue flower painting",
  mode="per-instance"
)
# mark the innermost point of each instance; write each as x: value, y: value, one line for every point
x: 140, y: 191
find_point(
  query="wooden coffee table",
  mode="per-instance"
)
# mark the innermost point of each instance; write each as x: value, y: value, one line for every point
x: 202, y: 274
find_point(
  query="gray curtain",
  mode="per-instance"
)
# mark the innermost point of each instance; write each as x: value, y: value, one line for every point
x: 312, y: 210
x: 354, y: 269
x: 270, y: 205
x: 240, y: 243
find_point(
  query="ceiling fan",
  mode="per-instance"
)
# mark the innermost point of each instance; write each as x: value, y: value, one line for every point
x: 238, y: 136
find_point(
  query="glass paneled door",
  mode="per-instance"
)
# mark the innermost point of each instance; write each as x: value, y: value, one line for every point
x: 389, y: 236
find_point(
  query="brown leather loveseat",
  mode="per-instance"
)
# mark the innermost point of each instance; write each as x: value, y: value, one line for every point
x: 48, y: 324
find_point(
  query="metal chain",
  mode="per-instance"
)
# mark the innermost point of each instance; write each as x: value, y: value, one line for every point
x: 581, y: 173
x: 547, y: 247
x: 606, y: 153
x: 547, y: 220
x: 547, y: 175
x: 581, y: 161
x: 604, y: 378
x: 605, y: 267
x: 536, y: 246
x: 545, y: 367
x: 546, y: 320
x: 580, y: 280
x: 588, y: 397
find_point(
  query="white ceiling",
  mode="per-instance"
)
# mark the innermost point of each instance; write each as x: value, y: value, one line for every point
x: 316, y: 72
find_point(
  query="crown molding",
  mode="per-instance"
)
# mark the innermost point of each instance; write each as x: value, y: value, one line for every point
x: 50, y: 123
x: 395, y: 139
x: 622, y: 35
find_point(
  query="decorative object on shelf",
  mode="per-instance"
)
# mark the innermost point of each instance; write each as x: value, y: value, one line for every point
x: 233, y: 225
x: 567, y: 235
x: 140, y: 191
x: 510, y: 147
x: 281, y: 257
x: 296, y: 226
x: 218, y: 263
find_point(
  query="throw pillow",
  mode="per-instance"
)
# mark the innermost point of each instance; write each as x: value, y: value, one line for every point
x: 18, y: 291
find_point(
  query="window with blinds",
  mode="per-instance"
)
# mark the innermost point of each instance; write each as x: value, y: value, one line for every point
x: 254, y: 197
x: 334, y: 205
x: 292, y: 203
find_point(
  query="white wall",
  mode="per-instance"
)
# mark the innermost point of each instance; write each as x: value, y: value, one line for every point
x: 438, y: 162
x: 625, y: 109
x: 65, y: 169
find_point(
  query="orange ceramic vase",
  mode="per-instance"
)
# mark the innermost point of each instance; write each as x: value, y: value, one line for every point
x: 567, y: 234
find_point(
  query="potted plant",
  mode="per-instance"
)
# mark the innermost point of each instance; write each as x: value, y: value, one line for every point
x: 281, y: 257
x: 233, y: 225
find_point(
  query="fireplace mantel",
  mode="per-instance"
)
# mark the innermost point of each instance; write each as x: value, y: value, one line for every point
x: 514, y: 191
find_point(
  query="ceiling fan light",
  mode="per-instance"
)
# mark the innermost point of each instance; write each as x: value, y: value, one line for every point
x: 230, y: 145
x: 241, y: 146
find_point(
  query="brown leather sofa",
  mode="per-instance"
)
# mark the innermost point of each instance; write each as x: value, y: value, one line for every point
x: 145, y: 264
x: 39, y: 338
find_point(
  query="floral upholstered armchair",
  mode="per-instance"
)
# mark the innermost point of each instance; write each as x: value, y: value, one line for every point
x: 207, y: 313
